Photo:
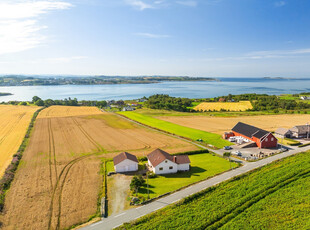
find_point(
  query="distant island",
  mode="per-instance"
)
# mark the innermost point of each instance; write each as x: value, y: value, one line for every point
x: 5, y: 94
x: 20, y: 80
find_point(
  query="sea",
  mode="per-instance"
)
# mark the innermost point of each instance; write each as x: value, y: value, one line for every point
x: 194, y: 89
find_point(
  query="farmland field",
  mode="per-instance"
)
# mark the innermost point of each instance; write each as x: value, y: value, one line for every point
x: 275, y: 196
x: 223, y: 124
x: 14, y: 121
x: 58, y: 181
x: 178, y: 129
x: 217, y: 106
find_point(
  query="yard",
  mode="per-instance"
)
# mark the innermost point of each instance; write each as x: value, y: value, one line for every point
x: 194, y: 134
x: 202, y: 166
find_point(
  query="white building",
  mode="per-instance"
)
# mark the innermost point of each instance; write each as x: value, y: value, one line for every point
x: 125, y: 162
x: 162, y: 162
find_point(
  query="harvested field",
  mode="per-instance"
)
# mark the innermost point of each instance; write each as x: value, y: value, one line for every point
x: 217, y: 106
x: 223, y: 124
x: 68, y: 111
x: 14, y: 121
x: 58, y: 181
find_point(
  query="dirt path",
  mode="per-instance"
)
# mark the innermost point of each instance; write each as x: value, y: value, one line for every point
x: 118, y: 193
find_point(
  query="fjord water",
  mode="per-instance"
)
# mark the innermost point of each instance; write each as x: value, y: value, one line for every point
x: 195, y: 89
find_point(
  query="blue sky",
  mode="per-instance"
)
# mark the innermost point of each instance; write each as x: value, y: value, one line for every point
x: 210, y: 38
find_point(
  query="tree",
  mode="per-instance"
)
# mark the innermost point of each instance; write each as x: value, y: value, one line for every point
x: 39, y: 102
x: 23, y: 103
x: 35, y: 98
x: 136, y: 183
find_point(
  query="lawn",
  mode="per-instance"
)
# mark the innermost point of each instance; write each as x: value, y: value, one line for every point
x: 202, y: 166
x: 110, y: 166
x: 194, y: 134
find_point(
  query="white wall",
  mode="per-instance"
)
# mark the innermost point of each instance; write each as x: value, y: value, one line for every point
x: 183, y: 167
x: 126, y: 166
x: 165, y: 165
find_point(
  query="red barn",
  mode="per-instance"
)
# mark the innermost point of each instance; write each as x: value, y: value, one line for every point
x: 262, y: 138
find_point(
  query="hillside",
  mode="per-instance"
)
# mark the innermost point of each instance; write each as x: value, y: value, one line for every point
x: 273, y: 197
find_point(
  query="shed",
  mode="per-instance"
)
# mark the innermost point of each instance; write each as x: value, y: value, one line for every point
x: 125, y: 162
x: 283, y: 132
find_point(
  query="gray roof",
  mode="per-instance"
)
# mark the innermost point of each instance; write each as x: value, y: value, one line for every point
x: 282, y: 131
x: 249, y: 130
x: 301, y: 129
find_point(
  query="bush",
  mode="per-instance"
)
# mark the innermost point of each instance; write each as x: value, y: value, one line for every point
x: 193, y: 152
x: 151, y: 175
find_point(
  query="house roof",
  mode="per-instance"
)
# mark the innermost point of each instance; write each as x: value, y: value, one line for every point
x: 158, y: 156
x: 301, y: 129
x: 182, y: 159
x: 249, y: 130
x: 260, y: 133
x: 282, y: 131
x: 123, y: 156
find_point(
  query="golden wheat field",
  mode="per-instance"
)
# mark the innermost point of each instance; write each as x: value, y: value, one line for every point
x: 14, y: 121
x: 223, y: 124
x: 217, y: 106
x: 68, y: 111
x: 58, y: 181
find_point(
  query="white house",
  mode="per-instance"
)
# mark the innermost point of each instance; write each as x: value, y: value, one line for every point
x: 162, y: 162
x: 125, y: 162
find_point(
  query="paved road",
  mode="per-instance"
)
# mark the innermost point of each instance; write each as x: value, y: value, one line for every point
x: 135, y: 213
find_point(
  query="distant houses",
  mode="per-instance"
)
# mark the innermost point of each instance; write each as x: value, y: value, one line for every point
x: 125, y: 162
x: 249, y: 133
x: 161, y: 162
x: 304, y: 98
x: 298, y: 131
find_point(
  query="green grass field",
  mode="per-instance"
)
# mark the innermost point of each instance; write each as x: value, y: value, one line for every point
x: 275, y: 196
x: 110, y: 166
x: 194, y: 134
x: 202, y: 166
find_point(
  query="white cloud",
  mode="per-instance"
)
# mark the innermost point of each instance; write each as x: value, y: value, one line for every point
x: 280, y: 3
x: 140, y: 5
x: 149, y: 35
x: 19, y: 23
x: 188, y: 3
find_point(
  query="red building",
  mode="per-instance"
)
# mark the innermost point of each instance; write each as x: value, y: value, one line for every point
x: 262, y: 138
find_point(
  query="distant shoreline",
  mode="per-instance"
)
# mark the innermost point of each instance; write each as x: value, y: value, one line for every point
x: 5, y: 94
x: 100, y: 80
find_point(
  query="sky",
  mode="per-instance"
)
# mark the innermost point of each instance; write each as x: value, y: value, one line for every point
x: 199, y: 38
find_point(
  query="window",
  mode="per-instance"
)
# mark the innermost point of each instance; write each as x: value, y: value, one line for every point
x: 166, y: 161
x: 272, y: 139
x: 171, y: 167
x: 266, y: 139
x: 160, y: 169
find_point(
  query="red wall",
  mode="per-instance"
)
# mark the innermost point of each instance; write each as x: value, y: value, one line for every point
x: 269, y: 143
x: 264, y: 143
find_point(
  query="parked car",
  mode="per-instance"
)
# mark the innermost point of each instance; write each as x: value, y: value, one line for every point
x: 227, y: 148
x: 237, y: 153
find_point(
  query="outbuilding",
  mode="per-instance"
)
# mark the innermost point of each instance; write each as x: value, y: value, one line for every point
x: 125, y: 162
x: 161, y: 162
x: 283, y: 133
x: 301, y: 131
